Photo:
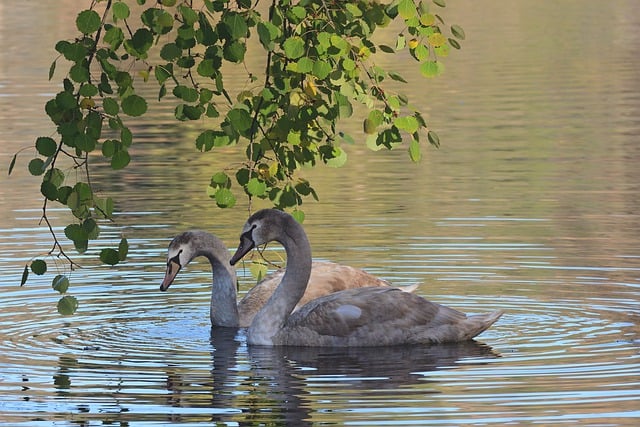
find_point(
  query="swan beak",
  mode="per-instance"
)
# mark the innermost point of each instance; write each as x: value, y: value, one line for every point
x: 172, y: 271
x: 246, y: 244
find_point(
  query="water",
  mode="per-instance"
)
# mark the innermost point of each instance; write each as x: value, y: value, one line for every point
x: 530, y: 206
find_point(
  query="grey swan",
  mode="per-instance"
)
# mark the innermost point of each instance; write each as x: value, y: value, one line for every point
x: 326, y: 277
x: 367, y: 316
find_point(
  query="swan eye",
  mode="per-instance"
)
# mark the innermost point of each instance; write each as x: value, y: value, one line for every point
x: 249, y: 233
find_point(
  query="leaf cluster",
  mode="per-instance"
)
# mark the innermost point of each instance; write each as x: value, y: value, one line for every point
x: 319, y: 63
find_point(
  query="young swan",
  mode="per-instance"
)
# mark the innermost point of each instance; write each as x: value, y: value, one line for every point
x: 355, y: 317
x: 326, y: 277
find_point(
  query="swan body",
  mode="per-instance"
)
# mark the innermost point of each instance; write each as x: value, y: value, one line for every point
x: 326, y: 277
x: 364, y: 316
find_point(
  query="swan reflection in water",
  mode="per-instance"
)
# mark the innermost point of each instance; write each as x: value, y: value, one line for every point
x: 276, y: 384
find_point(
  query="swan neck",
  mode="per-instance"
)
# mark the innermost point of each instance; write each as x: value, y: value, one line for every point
x: 224, y: 309
x: 294, y: 282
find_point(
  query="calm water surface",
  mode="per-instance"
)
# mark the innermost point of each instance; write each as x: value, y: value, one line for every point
x: 530, y: 206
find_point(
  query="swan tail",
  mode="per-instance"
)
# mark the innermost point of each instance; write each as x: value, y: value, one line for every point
x: 479, y: 323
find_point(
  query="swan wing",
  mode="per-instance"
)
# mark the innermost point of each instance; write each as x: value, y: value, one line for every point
x: 378, y: 316
x: 326, y: 278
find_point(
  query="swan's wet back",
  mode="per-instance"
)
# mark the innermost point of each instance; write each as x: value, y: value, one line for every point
x: 530, y: 206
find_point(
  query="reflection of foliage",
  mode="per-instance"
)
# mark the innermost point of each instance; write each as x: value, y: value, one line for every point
x: 318, y: 62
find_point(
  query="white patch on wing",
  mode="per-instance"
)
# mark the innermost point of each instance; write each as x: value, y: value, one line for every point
x: 348, y: 311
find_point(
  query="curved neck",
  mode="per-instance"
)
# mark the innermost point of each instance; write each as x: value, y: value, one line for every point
x: 274, y: 314
x: 224, y: 308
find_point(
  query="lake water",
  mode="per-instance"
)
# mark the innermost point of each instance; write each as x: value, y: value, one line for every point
x: 531, y: 206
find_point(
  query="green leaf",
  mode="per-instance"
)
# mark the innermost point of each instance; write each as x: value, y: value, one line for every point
x: 458, y: 32
x: 55, y: 176
x: 234, y: 51
x: 140, y: 43
x: 407, y: 9
x: 109, y: 256
x: 421, y: 52
x: 433, y: 139
x: 75, y: 232
x: 293, y: 47
x: 397, y: 77
x: 207, y: 68
x: 60, y: 283
x: 110, y: 106
x: 185, y: 93
x: 123, y: 249
x: 13, y: 163
x: 440, y: 3
x: 25, y: 275
x: 105, y: 207
x: 256, y: 187
x: 67, y: 305
x: 408, y: 124
x: 114, y: 36
x: 64, y: 193
x: 431, y: 68
x: 109, y: 147
x: 321, y: 69
x: 454, y: 43
x: 170, y: 52
x: 220, y: 179
x: 298, y: 215
x: 36, y: 167
x: 88, y: 90
x: 134, y: 105
x: 39, y: 267
x: 88, y: 21
x: 120, y: 160
x: 85, y: 142
x: 235, y: 24
x: 376, y: 117
x: 240, y: 119
x: 386, y: 49
x: 189, y: 15
x: 297, y: 13
x: 120, y: 10
x: 414, y: 151
x: 90, y: 226
x: 339, y: 158
x: 267, y: 33
x: 52, y: 69
x: 163, y: 72
x: 225, y: 198
x: 49, y: 190
x: 46, y: 146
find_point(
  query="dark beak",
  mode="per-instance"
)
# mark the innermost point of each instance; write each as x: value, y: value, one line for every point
x: 172, y: 271
x: 246, y: 244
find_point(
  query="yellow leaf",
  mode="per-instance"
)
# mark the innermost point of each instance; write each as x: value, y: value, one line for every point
x: 144, y: 74
x: 310, y: 87
x: 87, y: 103
x: 273, y: 169
x: 436, y: 39
x: 413, y: 43
x: 427, y: 19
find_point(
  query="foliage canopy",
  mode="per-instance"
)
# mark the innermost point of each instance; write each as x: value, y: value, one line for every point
x: 319, y: 60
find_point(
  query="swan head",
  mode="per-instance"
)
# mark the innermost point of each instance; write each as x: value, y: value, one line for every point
x: 182, y: 249
x: 261, y: 227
